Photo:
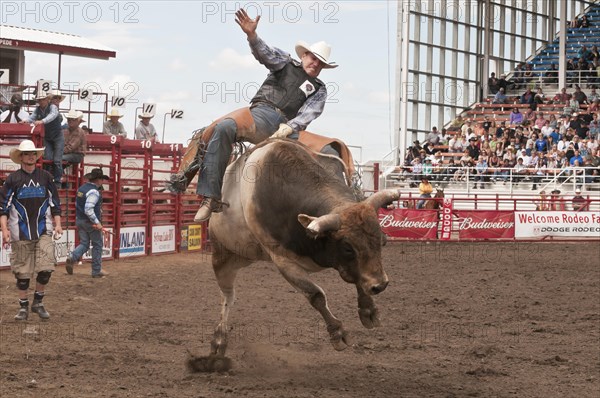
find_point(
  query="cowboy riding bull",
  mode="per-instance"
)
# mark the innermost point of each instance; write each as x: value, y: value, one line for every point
x: 288, y: 204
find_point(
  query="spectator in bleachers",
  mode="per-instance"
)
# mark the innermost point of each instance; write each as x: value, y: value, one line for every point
x: 46, y: 113
x: 571, y: 107
x: 576, y: 158
x: 572, y: 68
x: 444, y: 137
x: 593, y: 96
x: 561, y: 98
x: 481, y: 170
x: 540, y: 120
x: 528, y: 74
x: 516, y: 117
x: 525, y: 156
x: 75, y: 138
x: 579, y: 126
x: 530, y: 116
x: 465, y: 127
x: 503, y: 173
x: 583, y: 54
x: 527, y: 97
x: 518, y: 78
x: 486, y: 124
x: 539, y: 98
x: 554, y: 136
x: 466, y: 160
x: 594, y: 53
x: 519, y: 171
x: 457, y: 123
x: 553, y: 122
x: 546, y: 129
x: 433, y: 138
x: 579, y: 95
x: 594, y: 125
x: 493, y: 84
x: 15, y: 112
x: 438, y: 166
x: 576, y: 22
x: 417, y: 168
x: 427, y: 168
x: 494, y: 162
x: 500, y: 97
x: 455, y: 145
x: 551, y: 76
x: 541, y: 145
x: 113, y: 126
x: 595, y: 67
x: 473, y: 148
x: 539, y: 172
x: 503, y: 83
x: 450, y: 171
x: 500, y: 129
x: 585, y: 21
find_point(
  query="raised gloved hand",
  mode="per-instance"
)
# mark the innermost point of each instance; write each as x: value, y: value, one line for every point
x: 283, y: 131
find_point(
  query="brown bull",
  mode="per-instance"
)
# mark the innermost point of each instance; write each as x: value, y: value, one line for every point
x: 291, y: 207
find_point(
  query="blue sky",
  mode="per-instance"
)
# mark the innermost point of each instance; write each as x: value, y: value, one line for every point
x: 192, y: 56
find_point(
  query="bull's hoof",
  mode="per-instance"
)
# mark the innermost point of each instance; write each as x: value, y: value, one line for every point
x: 209, y: 364
x: 369, y: 317
x: 340, y: 340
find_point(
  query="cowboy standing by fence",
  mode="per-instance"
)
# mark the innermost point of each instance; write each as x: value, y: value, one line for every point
x: 88, y: 205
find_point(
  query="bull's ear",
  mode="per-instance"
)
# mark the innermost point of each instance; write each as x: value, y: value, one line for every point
x: 318, y: 226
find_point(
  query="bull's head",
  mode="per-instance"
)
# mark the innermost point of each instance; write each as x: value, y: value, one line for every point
x: 353, y: 240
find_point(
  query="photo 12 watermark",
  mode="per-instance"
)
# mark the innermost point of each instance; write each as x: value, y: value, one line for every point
x: 271, y: 11
x: 63, y: 12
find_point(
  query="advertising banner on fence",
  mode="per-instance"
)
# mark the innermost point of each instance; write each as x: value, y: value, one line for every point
x: 446, y: 219
x: 133, y: 241
x: 195, y: 237
x: 163, y: 238
x: 183, y: 246
x: 537, y: 224
x: 483, y: 224
x: 414, y: 224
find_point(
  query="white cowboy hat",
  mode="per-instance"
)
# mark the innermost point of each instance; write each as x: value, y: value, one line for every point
x: 578, y: 190
x: 42, y: 95
x: 74, y: 114
x: 320, y: 49
x: 25, y: 146
x: 57, y: 93
x: 114, y: 112
x: 145, y: 115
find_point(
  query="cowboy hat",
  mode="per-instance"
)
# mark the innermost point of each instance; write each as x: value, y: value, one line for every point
x: 145, y: 115
x: 114, y: 112
x: 57, y: 94
x: 74, y: 114
x: 320, y: 49
x: 578, y: 191
x: 96, y: 174
x: 25, y: 146
x: 16, y: 99
x: 41, y: 95
x: 556, y: 191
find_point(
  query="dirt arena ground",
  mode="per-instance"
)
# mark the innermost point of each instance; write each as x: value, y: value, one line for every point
x: 459, y: 320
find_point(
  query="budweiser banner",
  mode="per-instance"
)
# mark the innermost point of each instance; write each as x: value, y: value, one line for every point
x: 414, y: 224
x: 483, y: 224
x: 537, y: 224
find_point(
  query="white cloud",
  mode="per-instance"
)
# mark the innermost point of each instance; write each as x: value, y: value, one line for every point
x: 177, y: 65
x: 229, y: 59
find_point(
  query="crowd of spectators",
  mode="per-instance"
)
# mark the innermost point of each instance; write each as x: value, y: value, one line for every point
x: 529, y: 146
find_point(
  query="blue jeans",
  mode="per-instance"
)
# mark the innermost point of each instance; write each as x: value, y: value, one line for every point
x: 86, y: 234
x: 421, y: 203
x: 219, y: 147
x: 55, y: 146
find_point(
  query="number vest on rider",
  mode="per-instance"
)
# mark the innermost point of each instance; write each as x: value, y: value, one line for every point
x: 80, y: 202
x: 287, y: 89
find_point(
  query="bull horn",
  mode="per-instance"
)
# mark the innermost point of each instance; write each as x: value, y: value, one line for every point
x: 382, y: 198
x: 318, y: 226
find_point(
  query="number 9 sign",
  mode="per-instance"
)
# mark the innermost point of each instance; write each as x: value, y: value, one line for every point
x: 86, y: 95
